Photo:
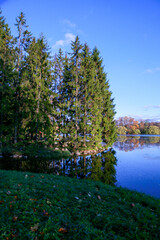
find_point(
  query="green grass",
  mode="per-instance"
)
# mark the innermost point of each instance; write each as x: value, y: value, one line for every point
x: 43, y: 206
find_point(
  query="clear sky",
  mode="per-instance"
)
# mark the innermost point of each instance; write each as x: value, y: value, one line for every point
x: 126, y: 32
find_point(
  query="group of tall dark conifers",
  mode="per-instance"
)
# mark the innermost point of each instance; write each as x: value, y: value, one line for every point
x: 63, y: 101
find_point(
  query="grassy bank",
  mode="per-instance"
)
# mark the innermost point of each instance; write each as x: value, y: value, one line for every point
x: 41, y: 206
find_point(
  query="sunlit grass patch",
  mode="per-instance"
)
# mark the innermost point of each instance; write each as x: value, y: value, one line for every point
x: 44, y: 206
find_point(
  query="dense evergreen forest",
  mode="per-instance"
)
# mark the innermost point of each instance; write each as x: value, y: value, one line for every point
x: 61, y: 101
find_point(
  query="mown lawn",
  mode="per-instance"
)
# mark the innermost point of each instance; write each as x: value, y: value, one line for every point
x: 43, y: 206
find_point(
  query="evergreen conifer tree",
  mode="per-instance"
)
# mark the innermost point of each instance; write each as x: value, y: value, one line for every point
x: 107, y: 123
x: 57, y: 102
x: 6, y: 80
x: 65, y: 101
x: 75, y: 68
x: 22, y: 44
x: 88, y: 91
x: 39, y: 74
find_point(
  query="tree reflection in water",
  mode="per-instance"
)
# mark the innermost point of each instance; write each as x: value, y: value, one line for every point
x: 129, y: 143
x: 100, y: 167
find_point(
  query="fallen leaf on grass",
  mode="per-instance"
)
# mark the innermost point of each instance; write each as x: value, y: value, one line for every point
x: 8, y: 192
x: 49, y: 203
x: 33, y: 199
x: 152, y: 210
x: 45, y: 213
x: 62, y: 230
x: 35, y: 227
x: 99, y: 197
x: 15, y: 218
x: 1, y: 201
x: 99, y: 215
x: 16, y: 197
x: 14, y: 235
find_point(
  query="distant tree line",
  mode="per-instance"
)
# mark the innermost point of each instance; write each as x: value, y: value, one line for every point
x: 62, y: 101
x: 128, y: 125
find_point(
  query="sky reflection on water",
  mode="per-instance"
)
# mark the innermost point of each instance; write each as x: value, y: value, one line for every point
x: 138, y: 165
x: 133, y: 162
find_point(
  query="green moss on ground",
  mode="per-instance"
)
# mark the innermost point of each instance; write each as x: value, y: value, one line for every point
x: 43, y: 206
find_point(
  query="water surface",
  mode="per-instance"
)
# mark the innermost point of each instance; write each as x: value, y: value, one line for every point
x: 133, y: 163
x: 138, y: 165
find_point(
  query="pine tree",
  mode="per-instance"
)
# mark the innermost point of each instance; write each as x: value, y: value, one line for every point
x: 6, y: 80
x: 65, y: 103
x: 84, y: 96
x: 95, y: 111
x: 57, y: 97
x: 87, y: 103
x: 67, y: 80
x: 75, y: 68
x: 39, y: 75
x: 22, y: 44
x: 107, y: 123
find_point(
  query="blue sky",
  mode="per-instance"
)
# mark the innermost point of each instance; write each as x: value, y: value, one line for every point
x: 126, y: 32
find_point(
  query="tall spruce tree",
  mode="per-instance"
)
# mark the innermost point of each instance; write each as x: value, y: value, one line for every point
x: 95, y: 110
x: 66, y: 100
x: 68, y: 96
x: 75, y: 68
x: 22, y: 44
x: 6, y: 81
x: 86, y: 76
x: 108, y: 112
x: 39, y: 75
x: 89, y: 124
x: 57, y: 96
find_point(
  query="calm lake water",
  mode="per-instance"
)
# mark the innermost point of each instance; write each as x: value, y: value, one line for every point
x: 138, y: 165
x: 133, y: 162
